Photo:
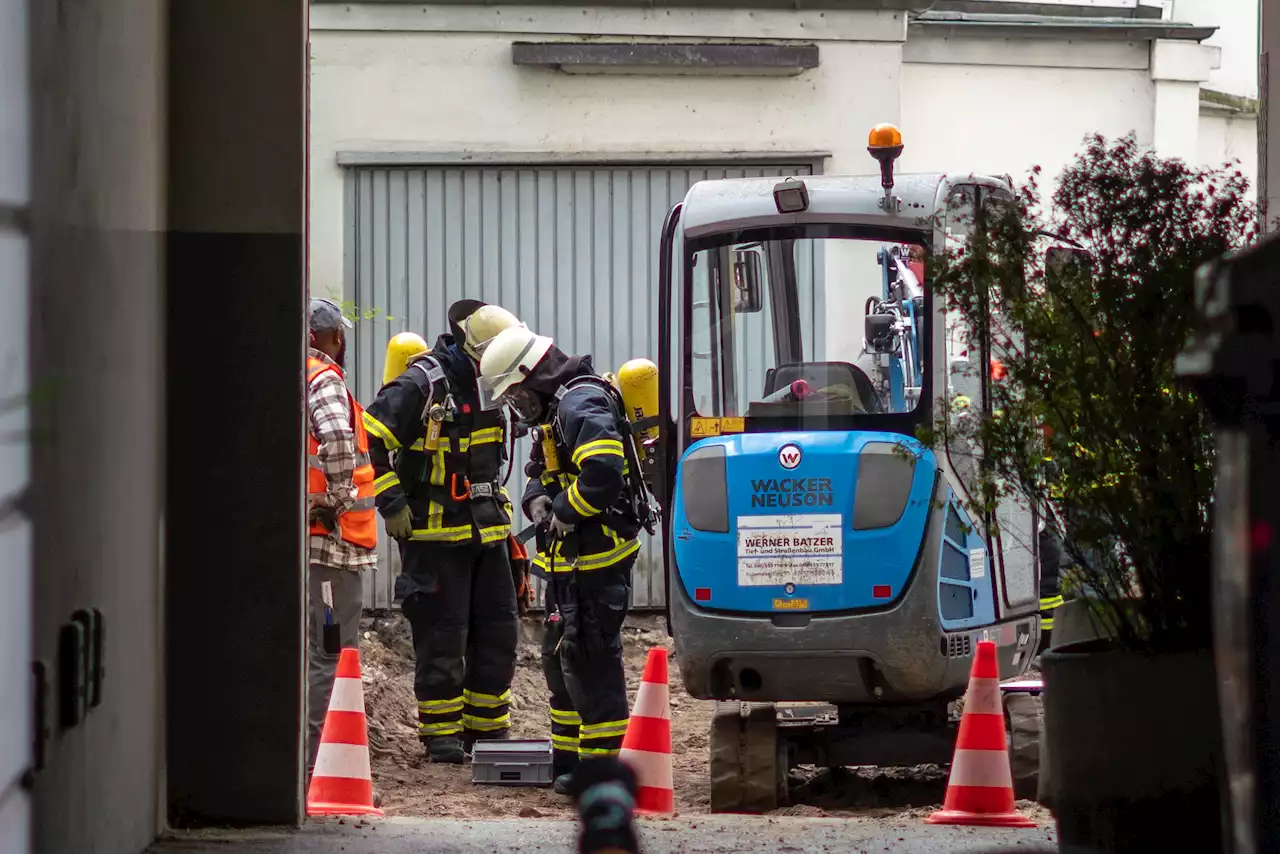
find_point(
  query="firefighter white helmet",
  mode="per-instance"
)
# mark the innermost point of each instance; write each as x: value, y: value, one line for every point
x: 482, y: 326
x: 507, y: 360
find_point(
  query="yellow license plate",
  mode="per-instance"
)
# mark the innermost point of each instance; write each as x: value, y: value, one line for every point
x: 791, y: 604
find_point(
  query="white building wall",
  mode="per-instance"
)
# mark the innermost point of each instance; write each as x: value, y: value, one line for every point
x: 1008, y: 119
x: 459, y: 92
x: 1226, y: 138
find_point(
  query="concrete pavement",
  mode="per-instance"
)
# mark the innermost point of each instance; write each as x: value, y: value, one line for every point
x: 695, y: 835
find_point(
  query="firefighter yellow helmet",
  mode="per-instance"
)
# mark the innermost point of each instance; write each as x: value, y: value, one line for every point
x: 507, y: 359
x: 400, y: 350
x: 638, y: 382
x: 482, y: 326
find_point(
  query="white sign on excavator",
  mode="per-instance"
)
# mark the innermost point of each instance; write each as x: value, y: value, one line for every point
x: 792, y: 549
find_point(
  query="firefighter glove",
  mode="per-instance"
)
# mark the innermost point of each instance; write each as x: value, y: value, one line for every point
x: 559, y: 529
x: 400, y: 523
x: 539, y: 509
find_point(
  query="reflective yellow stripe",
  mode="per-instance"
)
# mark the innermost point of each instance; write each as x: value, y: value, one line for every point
x: 564, y: 742
x: 600, y: 560
x: 1046, y: 624
x: 486, y: 701
x: 494, y: 534
x: 486, y: 436
x: 440, y: 707
x: 560, y: 716
x: 579, y: 503
x: 486, y: 724
x: 598, y: 751
x: 609, y: 558
x: 444, y: 728
x: 385, y: 482
x: 377, y: 428
x: 1048, y: 603
x: 454, y: 534
x: 608, y: 729
x: 598, y: 448
x: 437, y: 468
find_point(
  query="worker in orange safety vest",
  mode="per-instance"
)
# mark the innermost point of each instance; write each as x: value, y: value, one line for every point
x: 341, y: 521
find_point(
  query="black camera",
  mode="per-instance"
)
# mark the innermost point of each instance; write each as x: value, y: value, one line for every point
x: 605, y: 792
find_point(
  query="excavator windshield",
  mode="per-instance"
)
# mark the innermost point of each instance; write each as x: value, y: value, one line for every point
x: 813, y: 323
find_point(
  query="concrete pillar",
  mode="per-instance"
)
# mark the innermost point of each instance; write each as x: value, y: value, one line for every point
x: 1177, y: 70
x: 235, y: 270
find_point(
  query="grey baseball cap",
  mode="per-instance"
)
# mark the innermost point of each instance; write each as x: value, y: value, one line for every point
x: 326, y: 316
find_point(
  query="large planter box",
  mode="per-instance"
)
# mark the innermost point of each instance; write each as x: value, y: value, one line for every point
x: 1136, y: 750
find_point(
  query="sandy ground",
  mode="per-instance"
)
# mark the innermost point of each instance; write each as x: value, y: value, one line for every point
x: 410, y: 786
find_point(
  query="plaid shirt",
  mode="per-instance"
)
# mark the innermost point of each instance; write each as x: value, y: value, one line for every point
x: 329, y: 419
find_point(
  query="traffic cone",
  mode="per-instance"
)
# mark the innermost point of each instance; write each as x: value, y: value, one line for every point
x: 980, y: 789
x: 342, y: 783
x: 647, y: 744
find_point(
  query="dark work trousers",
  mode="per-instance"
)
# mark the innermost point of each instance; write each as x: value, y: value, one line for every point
x: 348, y: 601
x: 586, y: 679
x: 460, y: 601
x: 1051, y: 560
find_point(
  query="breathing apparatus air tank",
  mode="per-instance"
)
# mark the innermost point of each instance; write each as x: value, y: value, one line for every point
x: 400, y: 350
x: 637, y: 381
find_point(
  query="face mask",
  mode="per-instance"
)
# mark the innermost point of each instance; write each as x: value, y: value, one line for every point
x: 525, y: 404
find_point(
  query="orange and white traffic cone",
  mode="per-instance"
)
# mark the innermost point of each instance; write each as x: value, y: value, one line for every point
x: 342, y: 783
x: 980, y: 789
x: 646, y: 748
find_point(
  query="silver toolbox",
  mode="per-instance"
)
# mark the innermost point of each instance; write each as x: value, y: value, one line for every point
x: 511, y: 763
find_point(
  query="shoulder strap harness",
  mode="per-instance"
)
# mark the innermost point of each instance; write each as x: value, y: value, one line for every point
x: 637, y: 493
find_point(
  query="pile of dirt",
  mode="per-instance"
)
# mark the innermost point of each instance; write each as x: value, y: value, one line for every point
x: 412, y: 786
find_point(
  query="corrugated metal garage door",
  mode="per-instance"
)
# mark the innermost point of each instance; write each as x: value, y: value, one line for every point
x: 571, y: 250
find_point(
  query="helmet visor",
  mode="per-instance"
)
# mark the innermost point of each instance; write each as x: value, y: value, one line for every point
x: 493, y: 390
x: 474, y: 345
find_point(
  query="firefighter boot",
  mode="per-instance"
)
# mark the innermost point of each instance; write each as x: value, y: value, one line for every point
x: 445, y: 748
x: 562, y: 784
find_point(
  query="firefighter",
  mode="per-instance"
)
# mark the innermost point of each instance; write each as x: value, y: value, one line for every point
x: 443, y: 500
x: 585, y: 496
x: 1051, y: 560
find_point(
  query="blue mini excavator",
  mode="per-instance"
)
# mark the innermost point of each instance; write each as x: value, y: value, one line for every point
x: 826, y: 583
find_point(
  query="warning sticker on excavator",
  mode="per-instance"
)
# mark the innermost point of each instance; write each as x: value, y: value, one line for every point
x: 733, y: 425
x: 790, y: 549
x: 701, y: 428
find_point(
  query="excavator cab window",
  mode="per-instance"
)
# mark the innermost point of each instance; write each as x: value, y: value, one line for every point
x: 763, y: 345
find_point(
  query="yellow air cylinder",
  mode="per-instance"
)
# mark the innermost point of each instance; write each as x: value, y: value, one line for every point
x: 638, y: 382
x: 400, y: 350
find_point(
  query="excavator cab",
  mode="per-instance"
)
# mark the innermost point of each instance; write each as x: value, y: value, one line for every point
x: 826, y: 582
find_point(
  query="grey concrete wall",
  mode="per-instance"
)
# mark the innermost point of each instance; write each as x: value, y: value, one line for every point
x: 96, y: 352
x: 237, y: 132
